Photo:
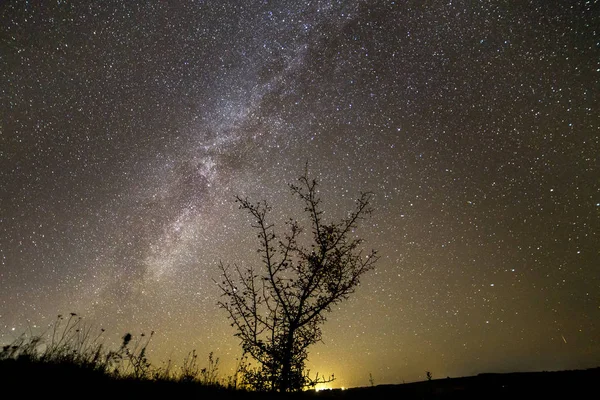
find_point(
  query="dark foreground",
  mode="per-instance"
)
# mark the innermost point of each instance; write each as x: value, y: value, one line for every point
x: 579, y: 384
x: 28, y: 380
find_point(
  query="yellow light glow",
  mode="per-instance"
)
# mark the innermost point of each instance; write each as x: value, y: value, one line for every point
x: 322, y: 386
x: 326, y: 386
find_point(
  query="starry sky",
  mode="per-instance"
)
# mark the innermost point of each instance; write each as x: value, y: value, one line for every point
x: 127, y: 128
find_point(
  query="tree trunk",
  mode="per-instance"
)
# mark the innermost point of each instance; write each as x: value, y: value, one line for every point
x: 286, y: 363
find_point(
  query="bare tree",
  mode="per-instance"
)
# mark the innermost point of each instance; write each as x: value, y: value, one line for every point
x: 279, y: 306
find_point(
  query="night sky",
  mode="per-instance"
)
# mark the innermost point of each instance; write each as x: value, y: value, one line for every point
x: 127, y: 128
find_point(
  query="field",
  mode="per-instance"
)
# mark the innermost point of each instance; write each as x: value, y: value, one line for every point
x: 70, y: 381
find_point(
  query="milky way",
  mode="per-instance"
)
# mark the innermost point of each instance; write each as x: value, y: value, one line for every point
x: 128, y: 127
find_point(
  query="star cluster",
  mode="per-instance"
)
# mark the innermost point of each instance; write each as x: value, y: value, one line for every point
x: 127, y: 128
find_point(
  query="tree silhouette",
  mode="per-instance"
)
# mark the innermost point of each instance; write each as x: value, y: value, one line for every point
x: 278, y: 307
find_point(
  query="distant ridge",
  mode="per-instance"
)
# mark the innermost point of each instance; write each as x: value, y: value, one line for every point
x: 569, y: 384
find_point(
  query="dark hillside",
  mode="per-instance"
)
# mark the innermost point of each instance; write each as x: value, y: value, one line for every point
x: 532, y: 385
x: 67, y: 381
